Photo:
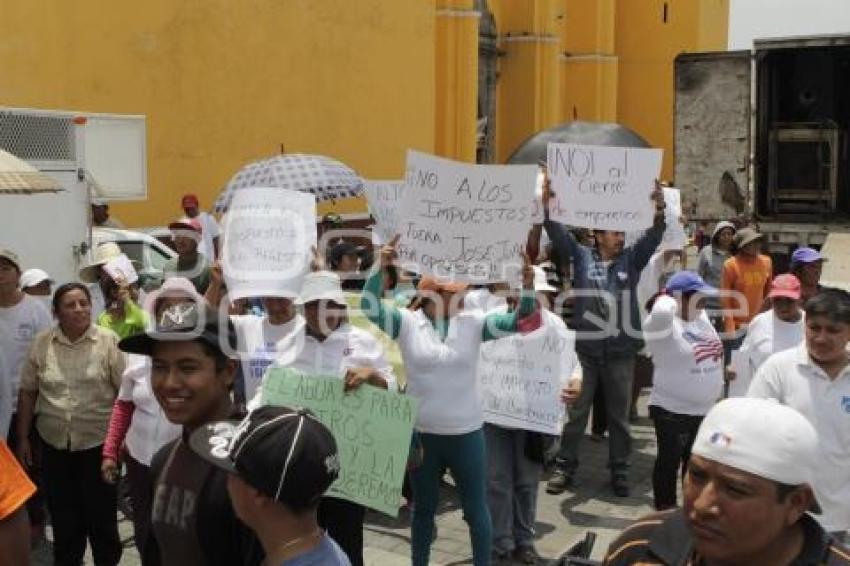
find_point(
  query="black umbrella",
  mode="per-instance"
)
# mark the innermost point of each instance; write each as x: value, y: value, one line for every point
x: 533, y: 150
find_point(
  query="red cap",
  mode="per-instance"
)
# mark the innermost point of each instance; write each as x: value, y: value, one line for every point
x: 186, y: 224
x: 785, y: 285
x: 190, y: 200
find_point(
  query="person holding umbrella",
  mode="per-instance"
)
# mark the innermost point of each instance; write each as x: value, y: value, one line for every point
x: 440, y: 345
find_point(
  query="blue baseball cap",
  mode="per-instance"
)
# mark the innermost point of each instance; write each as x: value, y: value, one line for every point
x: 688, y: 282
x: 806, y: 255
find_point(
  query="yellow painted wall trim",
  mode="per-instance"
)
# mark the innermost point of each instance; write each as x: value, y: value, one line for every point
x: 454, y: 13
x: 529, y: 39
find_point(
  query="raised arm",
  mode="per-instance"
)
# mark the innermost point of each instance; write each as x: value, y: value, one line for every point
x: 215, y: 290
x: 384, y: 316
x: 564, y: 244
x: 650, y: 240
x: 497, y: 324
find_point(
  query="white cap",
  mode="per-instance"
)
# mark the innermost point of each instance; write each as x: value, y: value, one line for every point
x: 102, y: 254
x: 32, y: 277
x: 761, y: 437
x: 321, y: 286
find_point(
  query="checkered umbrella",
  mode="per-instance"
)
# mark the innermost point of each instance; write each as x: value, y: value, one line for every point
x: 326, y: 178
x: 19, y: 177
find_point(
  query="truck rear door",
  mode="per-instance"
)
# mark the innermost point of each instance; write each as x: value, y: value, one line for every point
x: 712, y: 134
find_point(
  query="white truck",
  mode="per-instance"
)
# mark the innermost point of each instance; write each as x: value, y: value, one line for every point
x: 763, y: 135
x: 90, y: 155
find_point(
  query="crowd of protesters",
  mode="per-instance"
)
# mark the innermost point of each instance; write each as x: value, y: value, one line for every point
x: 93, y: 382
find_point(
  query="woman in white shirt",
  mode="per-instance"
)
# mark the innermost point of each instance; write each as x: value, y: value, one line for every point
x: 687, y: 378
x: 775, y: 330
x: 330, y: 345
x: 440, y: 343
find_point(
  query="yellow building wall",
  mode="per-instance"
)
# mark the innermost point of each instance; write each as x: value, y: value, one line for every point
x: 529, y: 86
x: 223, y: 83
x: 589, y: 88
x: 456, y: 79
x: 647, y: 45
x: 589, y: 65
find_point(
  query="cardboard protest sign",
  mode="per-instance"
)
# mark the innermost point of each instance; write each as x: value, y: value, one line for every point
x: 603, y: 188
x: 521, y: 379
x: 372, y: 428
x: 465, y: 222
x: 121, y: 267
x: 674, y: 237
x: 268, y: 235
x: 383, y: 199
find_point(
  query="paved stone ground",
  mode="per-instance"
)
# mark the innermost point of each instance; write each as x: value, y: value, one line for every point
x: 561, y: 520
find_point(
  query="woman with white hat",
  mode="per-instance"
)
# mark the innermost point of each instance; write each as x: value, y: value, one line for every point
x: 330, y: 345
x: 440, y: 344
x: 100, y: 284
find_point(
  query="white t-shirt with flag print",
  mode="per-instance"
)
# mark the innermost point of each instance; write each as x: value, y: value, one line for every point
x: 688, y: 359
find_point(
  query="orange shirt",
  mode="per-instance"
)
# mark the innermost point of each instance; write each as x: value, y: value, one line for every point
x: 15, y: 486
x: 749, y: 276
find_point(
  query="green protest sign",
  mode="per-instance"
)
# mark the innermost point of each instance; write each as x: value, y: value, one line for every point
x: 372, y: 428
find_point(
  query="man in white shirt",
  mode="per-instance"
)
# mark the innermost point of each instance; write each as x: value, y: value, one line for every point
x: 209, y: 244
x: 772, y: 331
x: 814, y: 378
x: 22, y: 317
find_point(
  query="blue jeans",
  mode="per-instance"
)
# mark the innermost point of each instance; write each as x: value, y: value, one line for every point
x: 464, y: 456
x: 511, y: 488
x: 615, y: 375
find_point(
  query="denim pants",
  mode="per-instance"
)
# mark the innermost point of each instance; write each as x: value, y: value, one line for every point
x: 615, y: 375
x: 512, y: 480
x: 675, y: 434
x: 464, y: 456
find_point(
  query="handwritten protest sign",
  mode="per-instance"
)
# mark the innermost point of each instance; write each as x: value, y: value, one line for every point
x: 675, y: 237
x: 465, y: 222
x: 121, y: 267
x: 268, y: 234
x: 372, y: 428
x: 521, y: 379
x: 383, y: 199
x: 604, y: 188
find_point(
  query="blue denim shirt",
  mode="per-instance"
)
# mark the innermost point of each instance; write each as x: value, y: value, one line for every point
x: 602, y: 286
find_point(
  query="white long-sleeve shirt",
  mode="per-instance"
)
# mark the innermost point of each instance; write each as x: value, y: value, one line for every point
x: 766, y: 336
x: 149, y: 429
x: 688, y: 359
x: 345, y: 348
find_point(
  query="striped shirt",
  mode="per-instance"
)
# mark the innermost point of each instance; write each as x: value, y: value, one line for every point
x: 76, y: 382
x: 663, y: 539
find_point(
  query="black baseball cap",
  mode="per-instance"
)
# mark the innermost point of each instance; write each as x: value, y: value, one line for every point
x: 285, y: 453
x: 186, y: 322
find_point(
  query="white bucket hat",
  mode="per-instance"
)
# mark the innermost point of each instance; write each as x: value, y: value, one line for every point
x: 321, y: 286
x: 102, y: 254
